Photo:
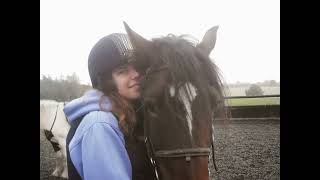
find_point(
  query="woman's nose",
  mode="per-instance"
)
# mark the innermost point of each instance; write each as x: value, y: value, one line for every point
x: 135, y: 74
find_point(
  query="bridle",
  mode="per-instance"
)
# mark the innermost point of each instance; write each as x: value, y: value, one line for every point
x: 187, y: 153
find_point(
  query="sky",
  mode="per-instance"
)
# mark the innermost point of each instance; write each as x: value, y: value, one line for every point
x: 248, y: 39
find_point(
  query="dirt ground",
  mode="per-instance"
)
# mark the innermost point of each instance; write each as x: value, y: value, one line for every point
x: 47, y: 158
x: 243, y: 150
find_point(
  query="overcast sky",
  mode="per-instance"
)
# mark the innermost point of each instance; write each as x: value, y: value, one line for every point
x: 247, y: 47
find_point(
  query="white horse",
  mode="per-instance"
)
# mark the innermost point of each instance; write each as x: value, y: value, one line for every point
x: 53, y: 118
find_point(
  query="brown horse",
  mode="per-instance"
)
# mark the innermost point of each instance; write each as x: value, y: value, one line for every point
x: 181, y: 91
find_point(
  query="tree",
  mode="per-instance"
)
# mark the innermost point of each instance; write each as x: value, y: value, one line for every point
x: 269, y: 83
x: 273, y: 83
x: 63, y: 89
x: 254, y: 90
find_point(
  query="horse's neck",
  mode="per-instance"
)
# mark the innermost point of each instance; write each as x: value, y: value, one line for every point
x: 47, y: 112
x: 52, y: 115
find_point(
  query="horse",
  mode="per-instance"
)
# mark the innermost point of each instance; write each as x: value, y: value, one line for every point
x: 181, y: 90
x: 55, y: 126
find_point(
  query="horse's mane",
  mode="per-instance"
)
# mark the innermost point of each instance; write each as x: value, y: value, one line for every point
x: 188, y: 64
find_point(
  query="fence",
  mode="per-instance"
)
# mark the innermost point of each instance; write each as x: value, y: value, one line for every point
x: 251, y: 112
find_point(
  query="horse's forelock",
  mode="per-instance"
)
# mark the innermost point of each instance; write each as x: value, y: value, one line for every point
x: 188, y: 64
x: 185, y: 63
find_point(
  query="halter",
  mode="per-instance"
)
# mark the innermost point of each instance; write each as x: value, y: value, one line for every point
x: 184, y: 152
x: 55, y: 117
x: 49, y: 135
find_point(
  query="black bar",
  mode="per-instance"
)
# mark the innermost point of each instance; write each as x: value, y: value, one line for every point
x: 264, y: 96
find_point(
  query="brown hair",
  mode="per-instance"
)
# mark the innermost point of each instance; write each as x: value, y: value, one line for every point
x: 122, y: 108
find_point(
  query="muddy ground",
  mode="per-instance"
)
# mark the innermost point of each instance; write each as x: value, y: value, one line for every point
x: 243, y: 149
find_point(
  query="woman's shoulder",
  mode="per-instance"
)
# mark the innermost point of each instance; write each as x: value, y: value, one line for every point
x: 98, y: 118
x: 99, y: 122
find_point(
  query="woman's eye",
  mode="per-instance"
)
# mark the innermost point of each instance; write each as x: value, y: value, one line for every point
x: 121, y: 71
x: 125, y: 70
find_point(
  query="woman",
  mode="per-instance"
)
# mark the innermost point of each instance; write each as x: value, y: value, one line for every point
x: 104, y: 117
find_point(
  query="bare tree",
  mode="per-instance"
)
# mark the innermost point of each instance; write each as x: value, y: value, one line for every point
x: 62, y: 89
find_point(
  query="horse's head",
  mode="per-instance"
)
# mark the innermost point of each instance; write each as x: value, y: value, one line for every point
x: 181, y: 90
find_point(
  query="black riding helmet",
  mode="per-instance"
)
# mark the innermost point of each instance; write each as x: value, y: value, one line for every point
x: 107, y: 54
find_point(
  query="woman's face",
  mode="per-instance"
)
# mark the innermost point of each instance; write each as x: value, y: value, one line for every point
x: 127, y: 81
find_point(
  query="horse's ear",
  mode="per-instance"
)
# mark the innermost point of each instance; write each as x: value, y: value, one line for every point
x: 209, y: 40
x: 137, y: 41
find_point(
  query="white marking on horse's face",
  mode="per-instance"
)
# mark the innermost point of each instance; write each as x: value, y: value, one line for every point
x: 191, y: 93
x: 172, y: 90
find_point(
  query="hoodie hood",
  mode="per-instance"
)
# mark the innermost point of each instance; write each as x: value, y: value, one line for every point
x: 87, y: 103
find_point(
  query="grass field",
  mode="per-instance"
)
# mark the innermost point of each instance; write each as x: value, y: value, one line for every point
x: 253, y: 101
x: 240, y: 91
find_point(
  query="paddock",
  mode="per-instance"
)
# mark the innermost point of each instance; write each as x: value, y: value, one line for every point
x: 244, y: 149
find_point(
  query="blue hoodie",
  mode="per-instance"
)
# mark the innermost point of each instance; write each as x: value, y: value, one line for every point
x: 97, y: 148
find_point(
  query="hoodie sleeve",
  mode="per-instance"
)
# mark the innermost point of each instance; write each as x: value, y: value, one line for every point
x: 104, y: 155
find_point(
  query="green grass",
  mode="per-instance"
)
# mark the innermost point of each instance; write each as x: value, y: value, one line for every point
x: 240, y: 91
x: 253, y: 101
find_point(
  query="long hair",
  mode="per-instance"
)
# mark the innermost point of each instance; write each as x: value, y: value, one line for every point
x: 123, y: 109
